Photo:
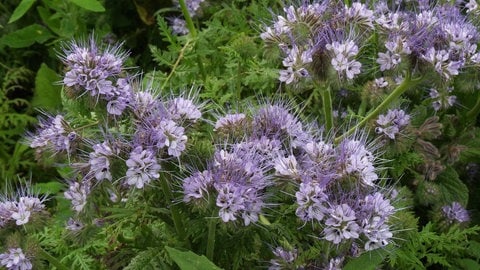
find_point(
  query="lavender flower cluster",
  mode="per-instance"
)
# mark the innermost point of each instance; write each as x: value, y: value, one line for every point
x: 414, y: 36
x: 152, y: 128
x: 15, y: 259
x: 19, y: 209
x: 392, y: 123
x: 97, y: 72
x: 336, y: 184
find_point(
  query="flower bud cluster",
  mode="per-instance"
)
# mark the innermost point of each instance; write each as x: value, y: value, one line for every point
x: 97, y: 72
x: 440, y: 39
x: 151, y: 130
x: 15, y: 259
x: 336, y: 183
x: 19, y: 208
x: 392, y: 123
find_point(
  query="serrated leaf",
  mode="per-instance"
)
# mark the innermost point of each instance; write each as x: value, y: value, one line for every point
x: 147, y: 259
x: 367, y: 261
x: 48, y: 188
x: 47, y: 93
x: 92, y: 5
x: 27, y: 36
x: 452, y: 189
x: 467, y: 264
x: 188, y: 260
x: 21, y: 9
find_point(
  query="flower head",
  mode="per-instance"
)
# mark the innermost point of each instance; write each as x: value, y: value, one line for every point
x: 15, y: 259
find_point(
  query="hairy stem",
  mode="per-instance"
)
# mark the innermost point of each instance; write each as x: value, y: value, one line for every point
x: 473, y: 113
x: 212, y: 227
x: 177, y: 219
x: 52, y: 260
x: 193, y: 33
x: 188, y: 18
x: 327, y: 108
x: 404, y: 86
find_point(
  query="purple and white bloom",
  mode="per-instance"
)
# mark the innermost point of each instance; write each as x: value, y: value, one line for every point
x: 381, y: 82
x: 356, y: 159
x: 173, y: 137
x: 99, y: 161
x: 471, y: 6
x: 15, y: 259
x: 183, y: 109
x: 286, y: 167
x: 77, y: 193
x: 377, y: 232
x: 20, y: 207
x: 360, y: 14
x: 196, y: 186
x: 74, y: 225
x: 283, y: 258
x: 53, y: 133
x: 311, y: 200
x: 91, y: 68
x: 142, y: 167
x: 179, y: 26
x: 392, y: 123
x: 455, y: 213
x: 230, y: 122
x: 442, y: 100
x: 341, y: 224
x: 21, y: 215
x: 343, y: 55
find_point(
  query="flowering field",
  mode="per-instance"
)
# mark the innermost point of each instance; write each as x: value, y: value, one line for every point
x: 240, y: 134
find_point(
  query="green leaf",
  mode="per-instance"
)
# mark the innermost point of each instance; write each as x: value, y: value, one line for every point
x: 48, y: 188
x: 92, y: 5
x: 452, y: 189
x: 21, y: 9
x: 27, y: 36
x: 188, y: 260
x: 367, y: 261
x: 47, y: 91
x: 467, y: 264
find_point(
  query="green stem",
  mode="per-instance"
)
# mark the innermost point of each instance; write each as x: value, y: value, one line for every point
x: 177, y: 219
x: 404, y: 86
x: 188, y: 18
x: 53, y: 261
x: 327, y: 107
x: 473, y: 113
x: 212, y: 227
x: 193, y: 33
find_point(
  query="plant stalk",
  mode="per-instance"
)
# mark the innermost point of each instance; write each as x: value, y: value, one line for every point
x: 404, y: 86
x: 327, y: 108
x: 54, y: 261
x: 177, y: 219
x: 193, y: 33
x: 473, y: 113
x: 212, y: 227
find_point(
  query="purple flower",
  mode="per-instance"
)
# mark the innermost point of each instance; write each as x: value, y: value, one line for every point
x: 377, y: 232
x: 283, y: 258
x: 196, y: 186
x: 455, y: 213
x: 15, y: 259
x: 392, y: 123
x: 99, y: 161
x: 173, y: 137
x: 142, y: 167
x: 441, y: 99
x: 53, y: 134
x: 341, y: 224
x: 20, y: 207
x: 342, y: 55
x: 311, y: 200
x: 355, y: 159
x: 77, y: 193
x: 183, y: 109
